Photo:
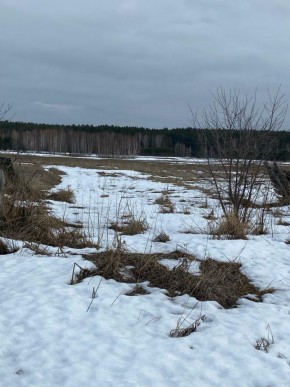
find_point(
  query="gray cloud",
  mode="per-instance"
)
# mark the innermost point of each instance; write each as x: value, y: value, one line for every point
x: 137, y: 62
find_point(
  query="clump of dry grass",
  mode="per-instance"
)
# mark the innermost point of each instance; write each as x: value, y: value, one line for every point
x: 165, y: 203
x: 137, y: 290
x: 81, y: 274
x: 63, y: 195
x: 182, y: 332
x: 163, y: 200
x: 263, y: 344
x: 37, y: 248
x: 161, y: 237
x: 222, y: 282
x: 72, y: 237
x: 231, y: 227
x: 130, y: 225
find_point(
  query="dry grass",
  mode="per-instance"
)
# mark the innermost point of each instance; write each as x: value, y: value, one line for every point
x: 171, y: 171
x: 34, y: 177
x: 182, y: 332
x: 37, y: 248
x: 27, y: 217
x: 161, y: 237
x: 163, y: 200
x: 137, y: 290
x: 263, y: 344
x: 63, y: 195
x: 31, y: 222
x: 230, y: 227
x: 222, y: 282
x: 165, y: 203
x: 130, y: 225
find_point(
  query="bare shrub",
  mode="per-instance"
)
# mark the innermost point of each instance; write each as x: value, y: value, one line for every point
x: 240, y: 135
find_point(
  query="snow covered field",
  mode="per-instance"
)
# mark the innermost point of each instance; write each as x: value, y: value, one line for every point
x: 48, y: 338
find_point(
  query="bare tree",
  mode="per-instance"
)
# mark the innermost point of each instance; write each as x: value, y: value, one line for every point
x: 239, y: 136
x: 4, y: 110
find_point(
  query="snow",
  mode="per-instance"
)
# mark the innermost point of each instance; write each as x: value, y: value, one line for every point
x: 48, y: 338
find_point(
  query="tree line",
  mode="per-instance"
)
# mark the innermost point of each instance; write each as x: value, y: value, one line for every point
x: 106, y: 140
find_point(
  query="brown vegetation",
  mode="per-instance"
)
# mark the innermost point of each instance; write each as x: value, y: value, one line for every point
x: 218, y: 281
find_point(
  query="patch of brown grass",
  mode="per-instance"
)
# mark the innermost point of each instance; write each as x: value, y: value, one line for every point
x: 32, y: 222
x: 171, y: 171
x: 63, y: 195
x: 25, y: 216
x: 34, y: 178
x: 222, y: 282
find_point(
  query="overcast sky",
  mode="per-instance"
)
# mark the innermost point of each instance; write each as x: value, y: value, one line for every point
x: 137, y: 62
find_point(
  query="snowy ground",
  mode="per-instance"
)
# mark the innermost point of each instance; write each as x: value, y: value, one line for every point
x: 47, y: 337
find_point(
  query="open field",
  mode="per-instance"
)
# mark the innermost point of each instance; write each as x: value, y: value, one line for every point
x: 121, y: 272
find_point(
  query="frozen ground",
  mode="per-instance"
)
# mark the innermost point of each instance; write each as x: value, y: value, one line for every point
x: 47, y: 337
